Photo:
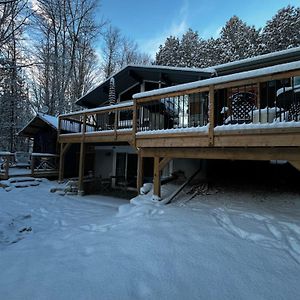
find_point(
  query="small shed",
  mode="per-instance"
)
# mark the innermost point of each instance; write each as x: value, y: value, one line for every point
x: 42, y: 129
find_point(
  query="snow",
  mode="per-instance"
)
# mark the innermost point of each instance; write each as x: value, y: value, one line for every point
x: 98, y: 109
x: 4, y: 153
x: 36, y: 154
x: 231, y: 245
x: 51, y: 120
x: 222, y: 79
x: 275, y: 124
x: 295, y: 89
x: 234, y: 244
x: 263, y: 57
x: 175, y: 130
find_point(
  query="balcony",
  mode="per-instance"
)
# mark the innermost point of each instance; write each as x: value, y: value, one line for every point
x: 105, y: 124
x: 250, y: 109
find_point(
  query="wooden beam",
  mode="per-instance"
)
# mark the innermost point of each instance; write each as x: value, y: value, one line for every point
x: 140, y: 172
x: 211, y: 97
x: 230, y: 84
x: 134, y: 123
x: 194, y: 140
x: 164, y: 162
x: 156, y: 177
x: 81, y: 169
x: 173, y: 94
x: 256, y: 80
x: 251, y: 153
x: 295, y: 164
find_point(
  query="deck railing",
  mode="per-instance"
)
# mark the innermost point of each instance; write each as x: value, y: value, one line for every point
x: 38, y: 164
x: 109, y: 118
x: 174, y: 112
x: 260, y: 103
x: 254, y: 100
x: 273, y: 100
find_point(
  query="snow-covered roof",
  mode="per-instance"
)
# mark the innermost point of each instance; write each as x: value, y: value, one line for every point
x: 222, y: 79
x: 133, y: 74
x: 256, y: 60
x: 50, y: 120
x: 102, y: 108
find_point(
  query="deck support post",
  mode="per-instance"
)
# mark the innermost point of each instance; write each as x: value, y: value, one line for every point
x: 81, y: 169
x: 156, y: 178
x: 63, y: 150
x: 211, y: 99
x: 140, y: 172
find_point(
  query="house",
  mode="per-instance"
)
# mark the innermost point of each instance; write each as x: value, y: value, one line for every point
x: 165, y: 117
x: 42, y: 130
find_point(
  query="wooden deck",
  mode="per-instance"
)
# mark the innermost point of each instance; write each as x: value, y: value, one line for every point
x: 188, y: 124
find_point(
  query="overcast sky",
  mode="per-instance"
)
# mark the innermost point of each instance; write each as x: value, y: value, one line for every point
x: 149, y: 22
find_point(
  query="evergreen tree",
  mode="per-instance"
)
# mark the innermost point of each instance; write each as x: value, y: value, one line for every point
x: 283, y: 31
x: 168, y: 54
x: 212, y: 52
x: 189, y: 49
x: 238, y: 41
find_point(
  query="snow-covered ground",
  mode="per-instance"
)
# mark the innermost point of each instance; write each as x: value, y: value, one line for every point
x: 233, y: 244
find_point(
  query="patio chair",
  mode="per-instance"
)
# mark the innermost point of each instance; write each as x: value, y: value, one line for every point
x: 294, y: 112
x: 241, y: 108
x: 22, y: 159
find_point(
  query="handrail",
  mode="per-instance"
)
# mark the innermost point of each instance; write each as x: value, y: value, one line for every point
x: 215, y: 95
x: 120, y: 106
x: 90, y: 120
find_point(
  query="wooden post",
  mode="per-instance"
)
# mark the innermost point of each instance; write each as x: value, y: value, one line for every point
x: 116, y: 123
x: 134, y: 123
x: 140, y: 172
x: 32, y: 165
x: 61, y: 163
x: 156, y: 178
x: 6, y: 170
x: 258, y: 95
x: 211, y: 99
x: 63, y: 150
x: 84, y: 124
x: 81, y: 169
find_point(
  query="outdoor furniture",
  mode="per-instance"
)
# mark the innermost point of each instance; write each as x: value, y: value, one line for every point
x: 242, y: 105
x: 294, y: 112
x: 22, y: 159
x: 265, y: 115
x: 105, y: 184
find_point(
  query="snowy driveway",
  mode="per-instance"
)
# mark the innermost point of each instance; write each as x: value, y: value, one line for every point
x: 231, y: 245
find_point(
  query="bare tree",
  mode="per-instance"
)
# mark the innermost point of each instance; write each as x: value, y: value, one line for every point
x: 13, y: 91
x: 14, y: 15
x: 67, y: 30
x: 119, y: 51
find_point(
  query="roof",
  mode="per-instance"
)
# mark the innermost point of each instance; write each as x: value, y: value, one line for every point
x: 133, y: 74
x: 260, y: 61
x: 222, y: 79
x: 37, y: 123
